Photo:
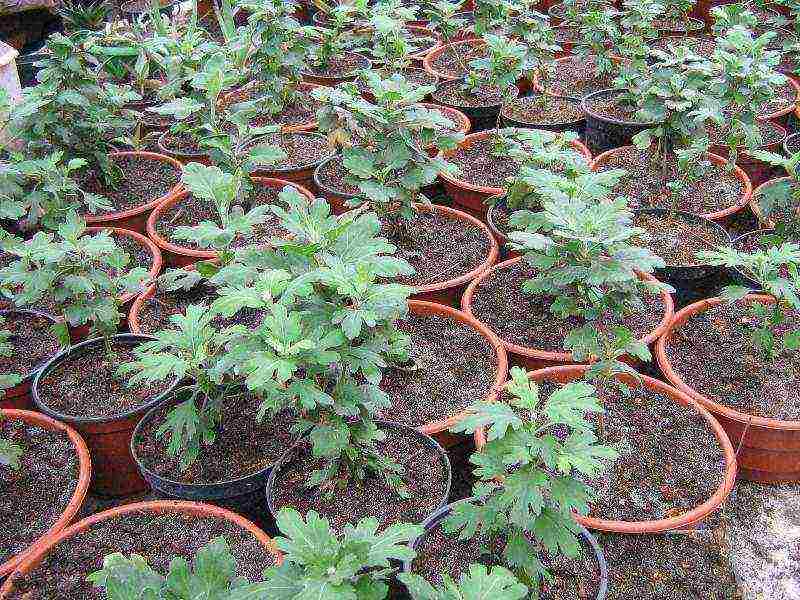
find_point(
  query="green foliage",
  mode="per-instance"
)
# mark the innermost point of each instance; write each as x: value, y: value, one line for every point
x: 528, y: 489
x: 83, y: 275
x: 318, y: 563
x: 7, y: 380
x: 598, y: 31
x: 391, y: 43
x: 82, y: 16
x: 781, y: 196
x: 478, y: 584
x: 442, y: 16
x: 339, y: 35
x: 776, y: 271
x: 10, y: 454
x: 493, y: 16
x: 504, y: 63
x: 211, y: 576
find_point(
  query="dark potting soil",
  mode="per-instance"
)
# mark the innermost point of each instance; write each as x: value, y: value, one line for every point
x: 572, y: 578
x: 332, y: 175
x: 677, y: 24
x: 32, y: 344
x: 156, y: 537
x: 714, y: 354
x: 677, y: 238
x: 525, y: 319
x: 543, y: 110
x: 454, y: 61
x: 567, y: 34
x: 770, y: 133
x: 302, y: 150
x: 452, y: 93
x: 793, y: 144
x: 138, y: 253
x: 480, y: 167
x: 300, y: 111
x: 33, y: 498
x: 610, y: 107
x: 575, y: 77
x: 690, y: 566
x: 716, y: 190
x: 182, y: 143
x: 455, y: 367
x: 242, y: 445
x: 785, y: 97
x: 191, y: 211
x: 143, y: 181
x: 704, y: 46
x: 85, y: 385
x: 341, y: 65
x: 423, y: 474
x: 783, y: 214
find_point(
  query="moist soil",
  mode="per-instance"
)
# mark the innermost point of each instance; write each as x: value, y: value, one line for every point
x: 454, y: 366
x: 300, y: 111
x: 439, y: 552
x: 715, y: 190
x: 143, y: 181
x: 690, y: 566
x: 33, y: 498
x: 770, y: 134
x: 302, y: 150
x: 543, y: 110
x: 714, y: 354
x: 191, y: 211
x: 341, y: 65
x: 793, y: 144
x: 574, y: 77
x: 242, y: 446
x: 183, y: 143
x: 451, y: 93
x: 677, y: 24
x: 454, y: 62
x: 31, y: 341
x: 784, y: 213
x: 786, y: 96
x: 677, y: 238
x: 158, y: 538
x: 85, y: 386
x: 608, y: 106
x: 423, y: 474
x: 525, y: 319
x: 704, y: 46
x: 480, y: 167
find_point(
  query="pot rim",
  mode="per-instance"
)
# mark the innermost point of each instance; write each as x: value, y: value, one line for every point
x: 436, y: 51
x: 29, y: 377
x: 764, y: 222
x: 303, y: 86
x: 789, y: 109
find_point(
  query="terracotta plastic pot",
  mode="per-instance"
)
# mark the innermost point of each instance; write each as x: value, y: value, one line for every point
x: 114, y: 471
x: 757, y: 170
x: 157, y: 507
x: 766, y: 222
x: 459, y: 119
x: 135, y: 218
x: 300, y: 176
x: 440, y: 430
x: 458, y: 47
x: 781, y: 116
x: 418, y: 30
x: 500, y: 236
x: 19, y: 396
x: 470, y: 197
x: 770, y: 448
x: 75, y: 503
x: 533, y: 358
x: 333, y: 81
x: 566, y: 374
x: 721, y: 216
x: 180, y: 256
x: 182, y: 157
x: 304, y: 87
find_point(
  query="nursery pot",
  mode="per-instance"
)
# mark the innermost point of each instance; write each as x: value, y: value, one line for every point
x: 757, y: 170
x: 19, y: 396
x: 135, y: 218
x: 333, y: 81
x: 158, y: 507
x: 75, y: 503
x: 721, y: 216
x: 302, y: 176
x: 786, y: 144
x: 770, y: 448
x: 578, y: 125
x: 244, y: 94
x: 180, y: 256
x: 604, y: 133
x: 765, y: 221
x: 459, y: 48
x: 470, y: 197
x: 114, y: 471
x: 569, y: 373
x: 782, y: 116
x: 533, y: 358
x: 440, y: 430
x: 435, y: 520
x: 482, y: 117
x: 459, y: 119
x: 183, y: 157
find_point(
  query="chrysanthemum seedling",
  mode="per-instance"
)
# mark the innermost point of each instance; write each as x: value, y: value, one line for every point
x: 479, y: 582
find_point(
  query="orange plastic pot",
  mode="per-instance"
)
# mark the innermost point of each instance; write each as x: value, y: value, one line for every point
x: 565, y: 374
x: 75, y: 503
x: 440, y: 430
x: 757, y: 170
x: 180, y: 256
x: 136, y: 218
x: 766, y: 222
x: 721, y: 216
x: 533, y: 358
x: 158, y: 507
x: 459, y: 48
x: 781, y: 116
x: 333, y: 81
x: 470, y: 197
x: 770, y: 448
x: 458, y: 118
x: 304, y: 87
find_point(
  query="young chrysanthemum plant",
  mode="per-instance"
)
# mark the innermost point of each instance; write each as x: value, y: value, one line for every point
x: 776, y: 270
x: 318, y: 563
x: 524, y: 502
x: 211, y: 575
x: 84, y: 276
x: 479, y: 583
x: 782, y: 196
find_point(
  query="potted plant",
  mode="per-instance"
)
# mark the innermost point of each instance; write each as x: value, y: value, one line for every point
x: 385, y: 163
x: 332, y: 59
x: 744, y: 328
x: 498, y: 581
x: 774, y: 202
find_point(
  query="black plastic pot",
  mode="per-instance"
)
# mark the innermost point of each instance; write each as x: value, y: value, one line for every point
x: 287, y: 459
x: 481, y: 117
x: 302, y: 175
x: 336, y: 198
x: 26, y: 65
x: 578, y: 126
x: 499, y: 234
x: 604, y: 133
x: 588, y: 539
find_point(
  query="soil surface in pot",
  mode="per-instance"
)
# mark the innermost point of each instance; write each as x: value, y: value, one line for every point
x: 340, y: 65
x: 573, y: 578
x: 191, y: 211
x: 704, y: 46
x: 781, y: 214
x: 33, y: 498
x: 610, y: 107
x: 793, y: 144
x: 677, y: 238
x: 770, y: 133
x: 575, y: 77
x: 714, y: 354
x: 543, y: 110
x: 299, y: 111
x: 424, y: 476
x: 451, y: 93
x: 678, y: 24
x: 183, y: 143
x: 671, y: 565
x: 785, y: 96
x: 302, y: 150
x: 242, y: 445
x: 85, y: 385
x: 454, y: 366
x: 717, y: 189
x: 454, y: 62
x: 143, y: 180
x: 158, y: 538
x: 480, y: 167
x: 32, y: 344
x: 525, y: 319
x: 669, y: 458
